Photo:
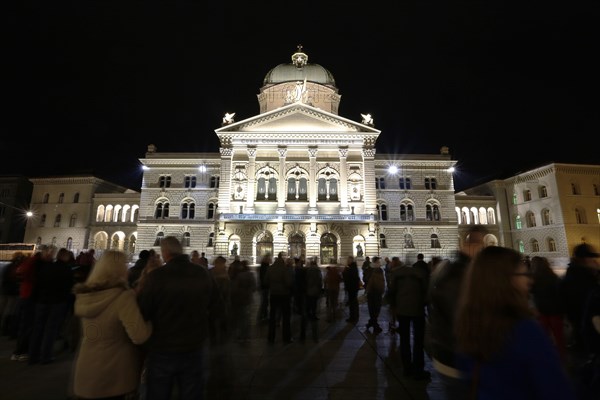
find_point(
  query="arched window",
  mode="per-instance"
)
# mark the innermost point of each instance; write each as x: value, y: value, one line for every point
x: 407, y: 212
x: 482, y: 216
x: 328, y: 249
x: 382, y: 213
x: 530, y: 217
x: 543, y: 191
x: 296, y: 246
x: 109, y: 213
x: 551, y: 243
x: 100, y: 213
x: 72, y: 220
x: 57, y: 221
x: 69, y: 243
x: 159, y: 237
x: 76, y: 198
x: 42, y: 220
x: 46, y: 198
x: 211, y: 210
x: 61, y: 198
x: 162, y: 210
x: 327, y: 184
x: 382, y: 241
x: 188, y: 210
x: 518, y: 222
x: 535, y: 246
x: 264, y: 244
x: 211, y: 239
x: 185, y: 241
x: 297, y: 188
x: 521, y: 246
x: 435, y: 242
x: 546, y: 219
x: 491, y: 216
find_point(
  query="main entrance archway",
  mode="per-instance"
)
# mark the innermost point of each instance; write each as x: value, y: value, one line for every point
x: 329, y: 249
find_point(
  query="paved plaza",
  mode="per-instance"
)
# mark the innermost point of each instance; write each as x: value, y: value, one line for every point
x: 346, y: 363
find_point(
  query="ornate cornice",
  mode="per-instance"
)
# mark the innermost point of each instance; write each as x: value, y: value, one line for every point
x: 368, y: 152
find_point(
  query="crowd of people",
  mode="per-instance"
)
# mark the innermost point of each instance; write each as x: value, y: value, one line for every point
x: 495, y: 325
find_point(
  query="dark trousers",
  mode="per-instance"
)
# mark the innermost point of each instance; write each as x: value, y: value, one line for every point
x: 413, y: 357
x: 280, y: 304
x: 47, y: 321
x: 26, y: 312
x: 374, y: 301
x: 165, y: 371
x: 353, y: 305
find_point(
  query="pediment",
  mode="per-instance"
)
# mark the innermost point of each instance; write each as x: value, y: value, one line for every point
x: 296, y: 118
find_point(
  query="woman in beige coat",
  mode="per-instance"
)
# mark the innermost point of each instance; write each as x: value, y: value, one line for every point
x: 109, y: 360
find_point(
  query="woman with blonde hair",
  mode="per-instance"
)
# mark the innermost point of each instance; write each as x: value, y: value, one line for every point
x: 503, y: 351
x: 109, y: 361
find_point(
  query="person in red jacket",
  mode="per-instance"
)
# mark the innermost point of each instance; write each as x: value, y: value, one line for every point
x: 26, y: 273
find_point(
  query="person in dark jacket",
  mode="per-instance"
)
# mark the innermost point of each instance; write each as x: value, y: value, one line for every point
x: 179, y: 299
x: 52, y: 296
x: 135, y: 272
x: 444, y: 289
x: 351, y: 285
x: 581, y: 277
x: 280, y: 279
x: 548, y: 302
x: 263, y: 309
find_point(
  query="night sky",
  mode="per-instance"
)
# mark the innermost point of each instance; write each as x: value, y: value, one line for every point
x: 88, y: 85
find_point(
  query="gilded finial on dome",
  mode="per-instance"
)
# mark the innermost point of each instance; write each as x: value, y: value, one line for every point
x: 299, y: 59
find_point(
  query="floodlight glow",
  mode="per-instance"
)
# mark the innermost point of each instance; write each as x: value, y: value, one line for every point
x: 145, y: 167
x: 392, y: 169
x: 451, y: 169
x: 202, y: 168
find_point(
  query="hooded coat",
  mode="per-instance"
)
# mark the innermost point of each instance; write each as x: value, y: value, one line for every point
x: 109, y: 362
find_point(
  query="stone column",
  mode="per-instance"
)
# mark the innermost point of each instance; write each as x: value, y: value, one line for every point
x: 225, y: 181
x: 369, y: 196
x: 281, y: 194
x: 312, y: 184
x: 343, y: 184
x: 251, y: 180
